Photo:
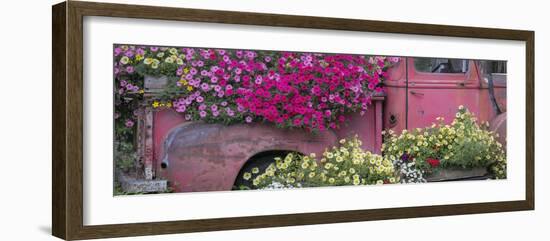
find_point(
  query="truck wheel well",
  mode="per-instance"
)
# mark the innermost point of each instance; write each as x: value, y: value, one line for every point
x: 260, y: 160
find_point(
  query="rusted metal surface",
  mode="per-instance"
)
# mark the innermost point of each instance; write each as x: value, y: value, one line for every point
x: 207, y: 157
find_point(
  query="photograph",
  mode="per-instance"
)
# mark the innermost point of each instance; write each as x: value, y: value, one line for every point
x: 271, y: 120
x: 200, y: 119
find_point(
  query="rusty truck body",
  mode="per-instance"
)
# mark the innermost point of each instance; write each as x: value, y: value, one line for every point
x: 195, y: 156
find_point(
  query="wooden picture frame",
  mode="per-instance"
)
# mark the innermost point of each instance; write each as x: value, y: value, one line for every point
x: 67, y: 124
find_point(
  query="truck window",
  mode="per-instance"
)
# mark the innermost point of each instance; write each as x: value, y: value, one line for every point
x: 495, y: 69
x: 440, y: 65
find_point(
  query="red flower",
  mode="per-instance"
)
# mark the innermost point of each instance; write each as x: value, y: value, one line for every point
x: 433, y: 162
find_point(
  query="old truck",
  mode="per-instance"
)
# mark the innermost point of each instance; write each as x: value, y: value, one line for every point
x: 195, y: 156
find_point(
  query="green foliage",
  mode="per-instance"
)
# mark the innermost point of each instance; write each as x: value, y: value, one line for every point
x: 125, y: 155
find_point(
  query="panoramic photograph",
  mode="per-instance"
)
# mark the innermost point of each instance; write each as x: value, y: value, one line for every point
x: 196, y: 119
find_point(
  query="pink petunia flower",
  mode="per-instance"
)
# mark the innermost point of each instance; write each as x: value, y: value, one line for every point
x: 129, y: 123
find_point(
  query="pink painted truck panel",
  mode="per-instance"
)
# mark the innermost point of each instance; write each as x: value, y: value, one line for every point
x: 207, y: 157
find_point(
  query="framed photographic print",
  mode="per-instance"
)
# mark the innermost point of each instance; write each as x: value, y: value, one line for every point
x: 171, y: 120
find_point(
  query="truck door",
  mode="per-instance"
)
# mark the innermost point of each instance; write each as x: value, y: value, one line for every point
x: 437, y: 86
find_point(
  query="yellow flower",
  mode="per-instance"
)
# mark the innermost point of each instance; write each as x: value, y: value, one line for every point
x: 154, y: 65
x: 155, y: 104
x: 314, y: 164
x: 189, y: 88
x: 247, y: 176
x: 169, y: 60
x: 138, y: 57
x: 148, y: 61
x: 186, y: 70
x: 311, y: 174
x: 305, y: 165
x: 339, y: 159
x: 124, y: 60
x: 331, y: 180
x: 379, y: 182
x: 255, y: 170
x: 141, y: 91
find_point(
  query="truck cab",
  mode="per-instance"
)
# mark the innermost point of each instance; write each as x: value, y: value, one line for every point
x: 421, y: 89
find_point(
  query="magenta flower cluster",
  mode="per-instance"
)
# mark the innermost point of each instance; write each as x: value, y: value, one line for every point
x: 305, y: 90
